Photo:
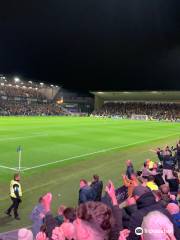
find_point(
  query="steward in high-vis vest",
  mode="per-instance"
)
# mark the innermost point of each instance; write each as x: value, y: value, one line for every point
x: 15, y: 194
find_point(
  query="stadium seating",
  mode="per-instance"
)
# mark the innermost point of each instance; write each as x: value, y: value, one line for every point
x: 159, y: 110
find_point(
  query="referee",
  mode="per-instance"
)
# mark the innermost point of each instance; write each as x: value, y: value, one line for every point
x: 15, y: 195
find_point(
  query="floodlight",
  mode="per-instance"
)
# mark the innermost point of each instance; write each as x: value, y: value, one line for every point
x: 16, y: 79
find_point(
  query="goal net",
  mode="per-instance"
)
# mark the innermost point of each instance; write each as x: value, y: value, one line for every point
x: 139, y: 117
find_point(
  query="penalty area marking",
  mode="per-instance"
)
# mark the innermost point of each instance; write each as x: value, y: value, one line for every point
x: 88, y: 154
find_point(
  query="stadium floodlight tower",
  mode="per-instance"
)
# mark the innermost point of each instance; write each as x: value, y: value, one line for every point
x: 16, y: 79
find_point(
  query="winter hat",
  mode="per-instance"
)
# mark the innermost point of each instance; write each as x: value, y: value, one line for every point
x: 25, y: 234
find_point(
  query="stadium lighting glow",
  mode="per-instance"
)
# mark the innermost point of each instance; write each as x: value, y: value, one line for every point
x: 16, y: 79
x: 100, y: 92
x: 41, y: 83
x: 52, y: 85
x: 30, y: 82
x: 56, y: 86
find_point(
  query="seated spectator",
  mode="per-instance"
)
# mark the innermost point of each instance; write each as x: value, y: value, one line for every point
x: 173, y: 209
x: 157, y: 226
x: 25, y: 234
x: 86, y: 193
x: 97, y: 185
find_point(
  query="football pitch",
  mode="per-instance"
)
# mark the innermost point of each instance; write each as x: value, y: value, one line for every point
x: 58, y: 151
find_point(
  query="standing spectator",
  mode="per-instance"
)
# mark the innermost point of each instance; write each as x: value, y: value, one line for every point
x: 37, y: 216
x: 130, y: 169
x: 97, y: 185
x: 173, y: 183
x: 86, y: 193
x: 15, y: 194
x: 130, y: 183
x: 168, y: 165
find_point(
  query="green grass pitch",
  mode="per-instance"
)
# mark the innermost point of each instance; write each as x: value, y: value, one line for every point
x: 58, y: 151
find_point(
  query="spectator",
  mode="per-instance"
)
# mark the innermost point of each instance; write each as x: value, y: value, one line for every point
x: 25, y: 234
x: 157, y: 226
x: 97, y: 185
x: 86, y: 193
x: 146, y: 203
x: 94, y: 221
x: 130, y: 183
x: 130, y: 169
x: 37, y: 216
x: 150, y: 183
x: 173, y: 209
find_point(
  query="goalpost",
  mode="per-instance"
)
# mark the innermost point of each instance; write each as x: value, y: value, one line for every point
x: 139, y: 117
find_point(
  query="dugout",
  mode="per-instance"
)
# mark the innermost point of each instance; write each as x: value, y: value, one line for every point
x: 135, y: 96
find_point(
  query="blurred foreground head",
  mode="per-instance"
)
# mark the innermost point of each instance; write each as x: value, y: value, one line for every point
x: 94, y: 221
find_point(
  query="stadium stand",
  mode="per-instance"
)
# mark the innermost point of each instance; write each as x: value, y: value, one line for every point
x: 30, y: 98
x: 148, y: 105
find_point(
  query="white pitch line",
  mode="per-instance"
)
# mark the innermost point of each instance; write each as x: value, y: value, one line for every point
x: 96, y: 152
x: 2, y: 166
x: 23, y: 137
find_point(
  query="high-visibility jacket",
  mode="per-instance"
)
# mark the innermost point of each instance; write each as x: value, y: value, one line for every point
x: 15, y: 189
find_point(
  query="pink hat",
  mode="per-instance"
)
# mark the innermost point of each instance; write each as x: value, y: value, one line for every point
x: 25, y: 234
x: 47, y: 201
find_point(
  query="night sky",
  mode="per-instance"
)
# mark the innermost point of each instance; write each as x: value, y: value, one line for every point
x: 93, y: 44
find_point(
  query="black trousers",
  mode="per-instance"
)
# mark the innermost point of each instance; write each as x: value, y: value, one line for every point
x: 14, y: 206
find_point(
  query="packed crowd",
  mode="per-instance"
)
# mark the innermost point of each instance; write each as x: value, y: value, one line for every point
x: 169, y: 111
x: 15, y: 108
x: 20, y: 91
x: 150, y: 212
